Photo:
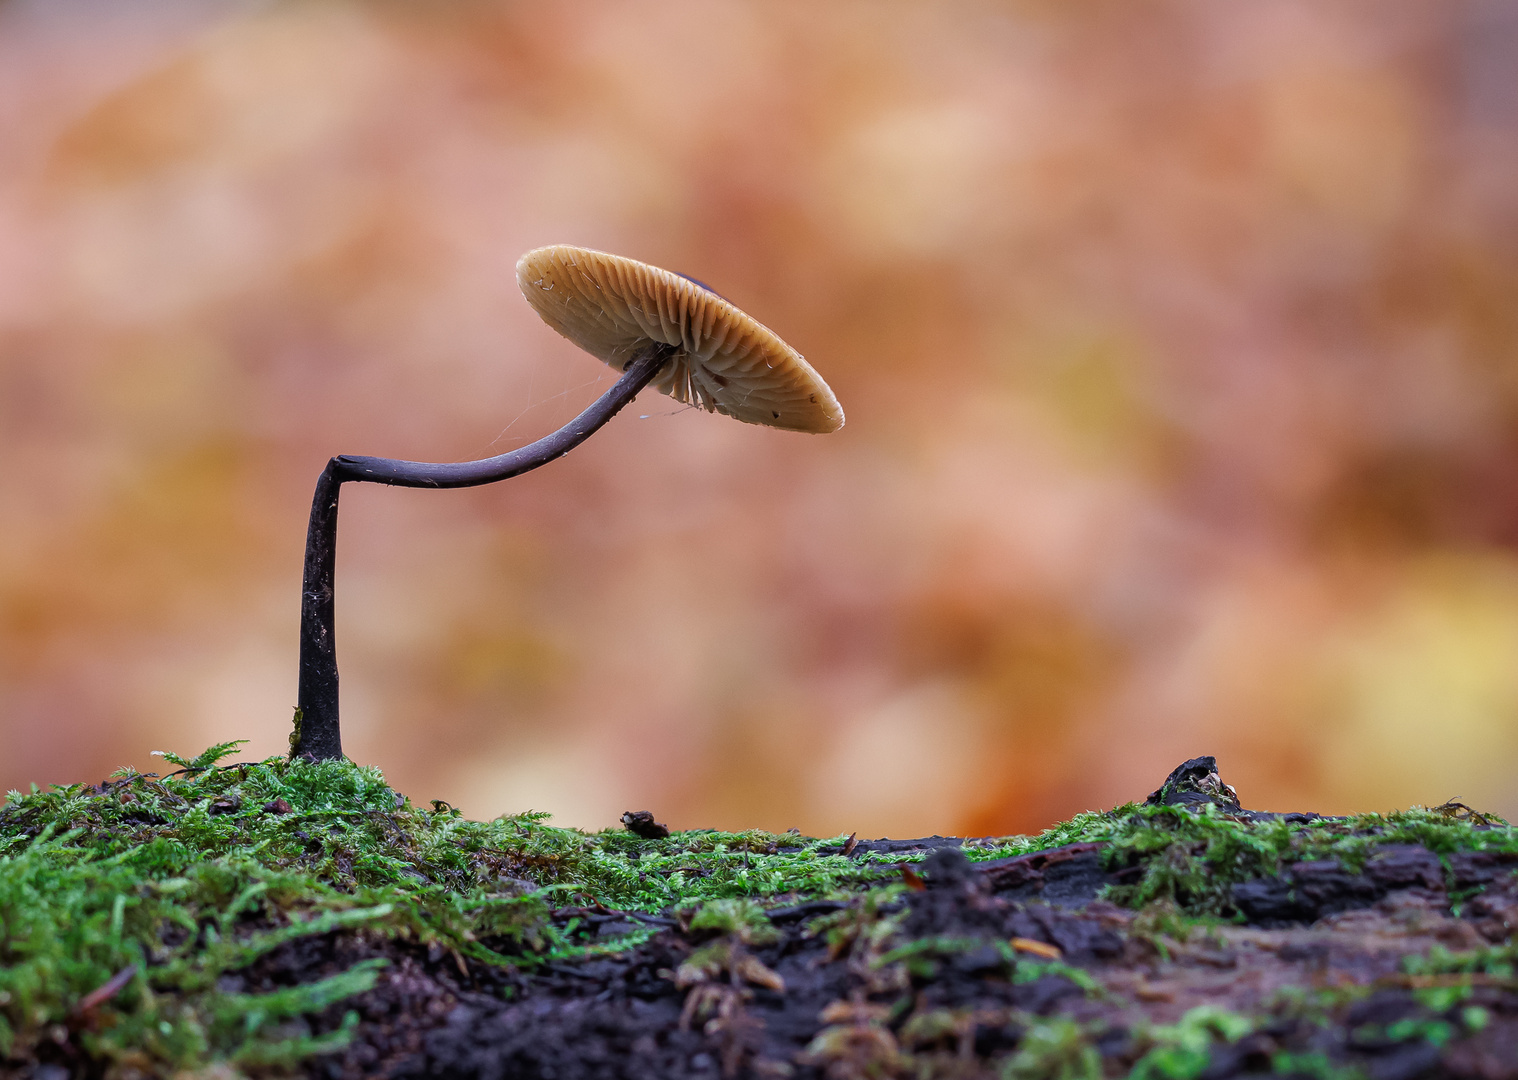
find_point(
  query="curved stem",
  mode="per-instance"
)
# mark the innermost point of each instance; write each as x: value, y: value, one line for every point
x: 317, y: 735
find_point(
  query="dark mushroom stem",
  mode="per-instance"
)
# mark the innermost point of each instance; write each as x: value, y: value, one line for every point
x: 317, y: 736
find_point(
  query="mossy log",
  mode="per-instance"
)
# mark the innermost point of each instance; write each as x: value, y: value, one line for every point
x: 288, y: 917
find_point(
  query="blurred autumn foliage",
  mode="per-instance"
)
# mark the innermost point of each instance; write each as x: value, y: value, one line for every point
x: 1178, y: 342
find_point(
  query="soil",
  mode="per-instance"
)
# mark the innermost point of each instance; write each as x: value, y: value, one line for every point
x: 1020, y: 970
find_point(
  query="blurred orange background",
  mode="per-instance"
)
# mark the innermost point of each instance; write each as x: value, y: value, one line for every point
x: 1178, y: 343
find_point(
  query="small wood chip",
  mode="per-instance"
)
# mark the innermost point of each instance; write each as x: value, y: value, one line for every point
x: 1037, y: 948
x: 642, y: 823
x: 104, y: 993
x: 1455, y: 979
x: 911, y: 877
x: 850, y: 844
x: 854, y: 1012
x: 752, y: 970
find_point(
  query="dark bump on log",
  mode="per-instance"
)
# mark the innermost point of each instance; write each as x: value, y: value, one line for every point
x: 1195, y: 782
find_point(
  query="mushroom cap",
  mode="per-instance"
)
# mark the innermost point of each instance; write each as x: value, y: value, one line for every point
x: 726, y: 360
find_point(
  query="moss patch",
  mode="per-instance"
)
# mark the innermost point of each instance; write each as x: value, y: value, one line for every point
x: 183, y: 879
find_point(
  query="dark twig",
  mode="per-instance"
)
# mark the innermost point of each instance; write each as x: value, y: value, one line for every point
x: 317, y: 736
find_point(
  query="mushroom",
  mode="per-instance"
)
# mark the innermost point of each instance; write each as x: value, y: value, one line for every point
x: 724, y: 361
x: 652, y: 325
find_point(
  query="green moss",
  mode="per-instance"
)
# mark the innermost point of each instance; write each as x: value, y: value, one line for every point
x: 342, y: 824
x: 73, y: 923
x: 1194, y: 858
x: 184, y: 878
x: 742, y: 919
x: 1183, y: 1050
x: 1493, y: 961
x: 1055, y: 1048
